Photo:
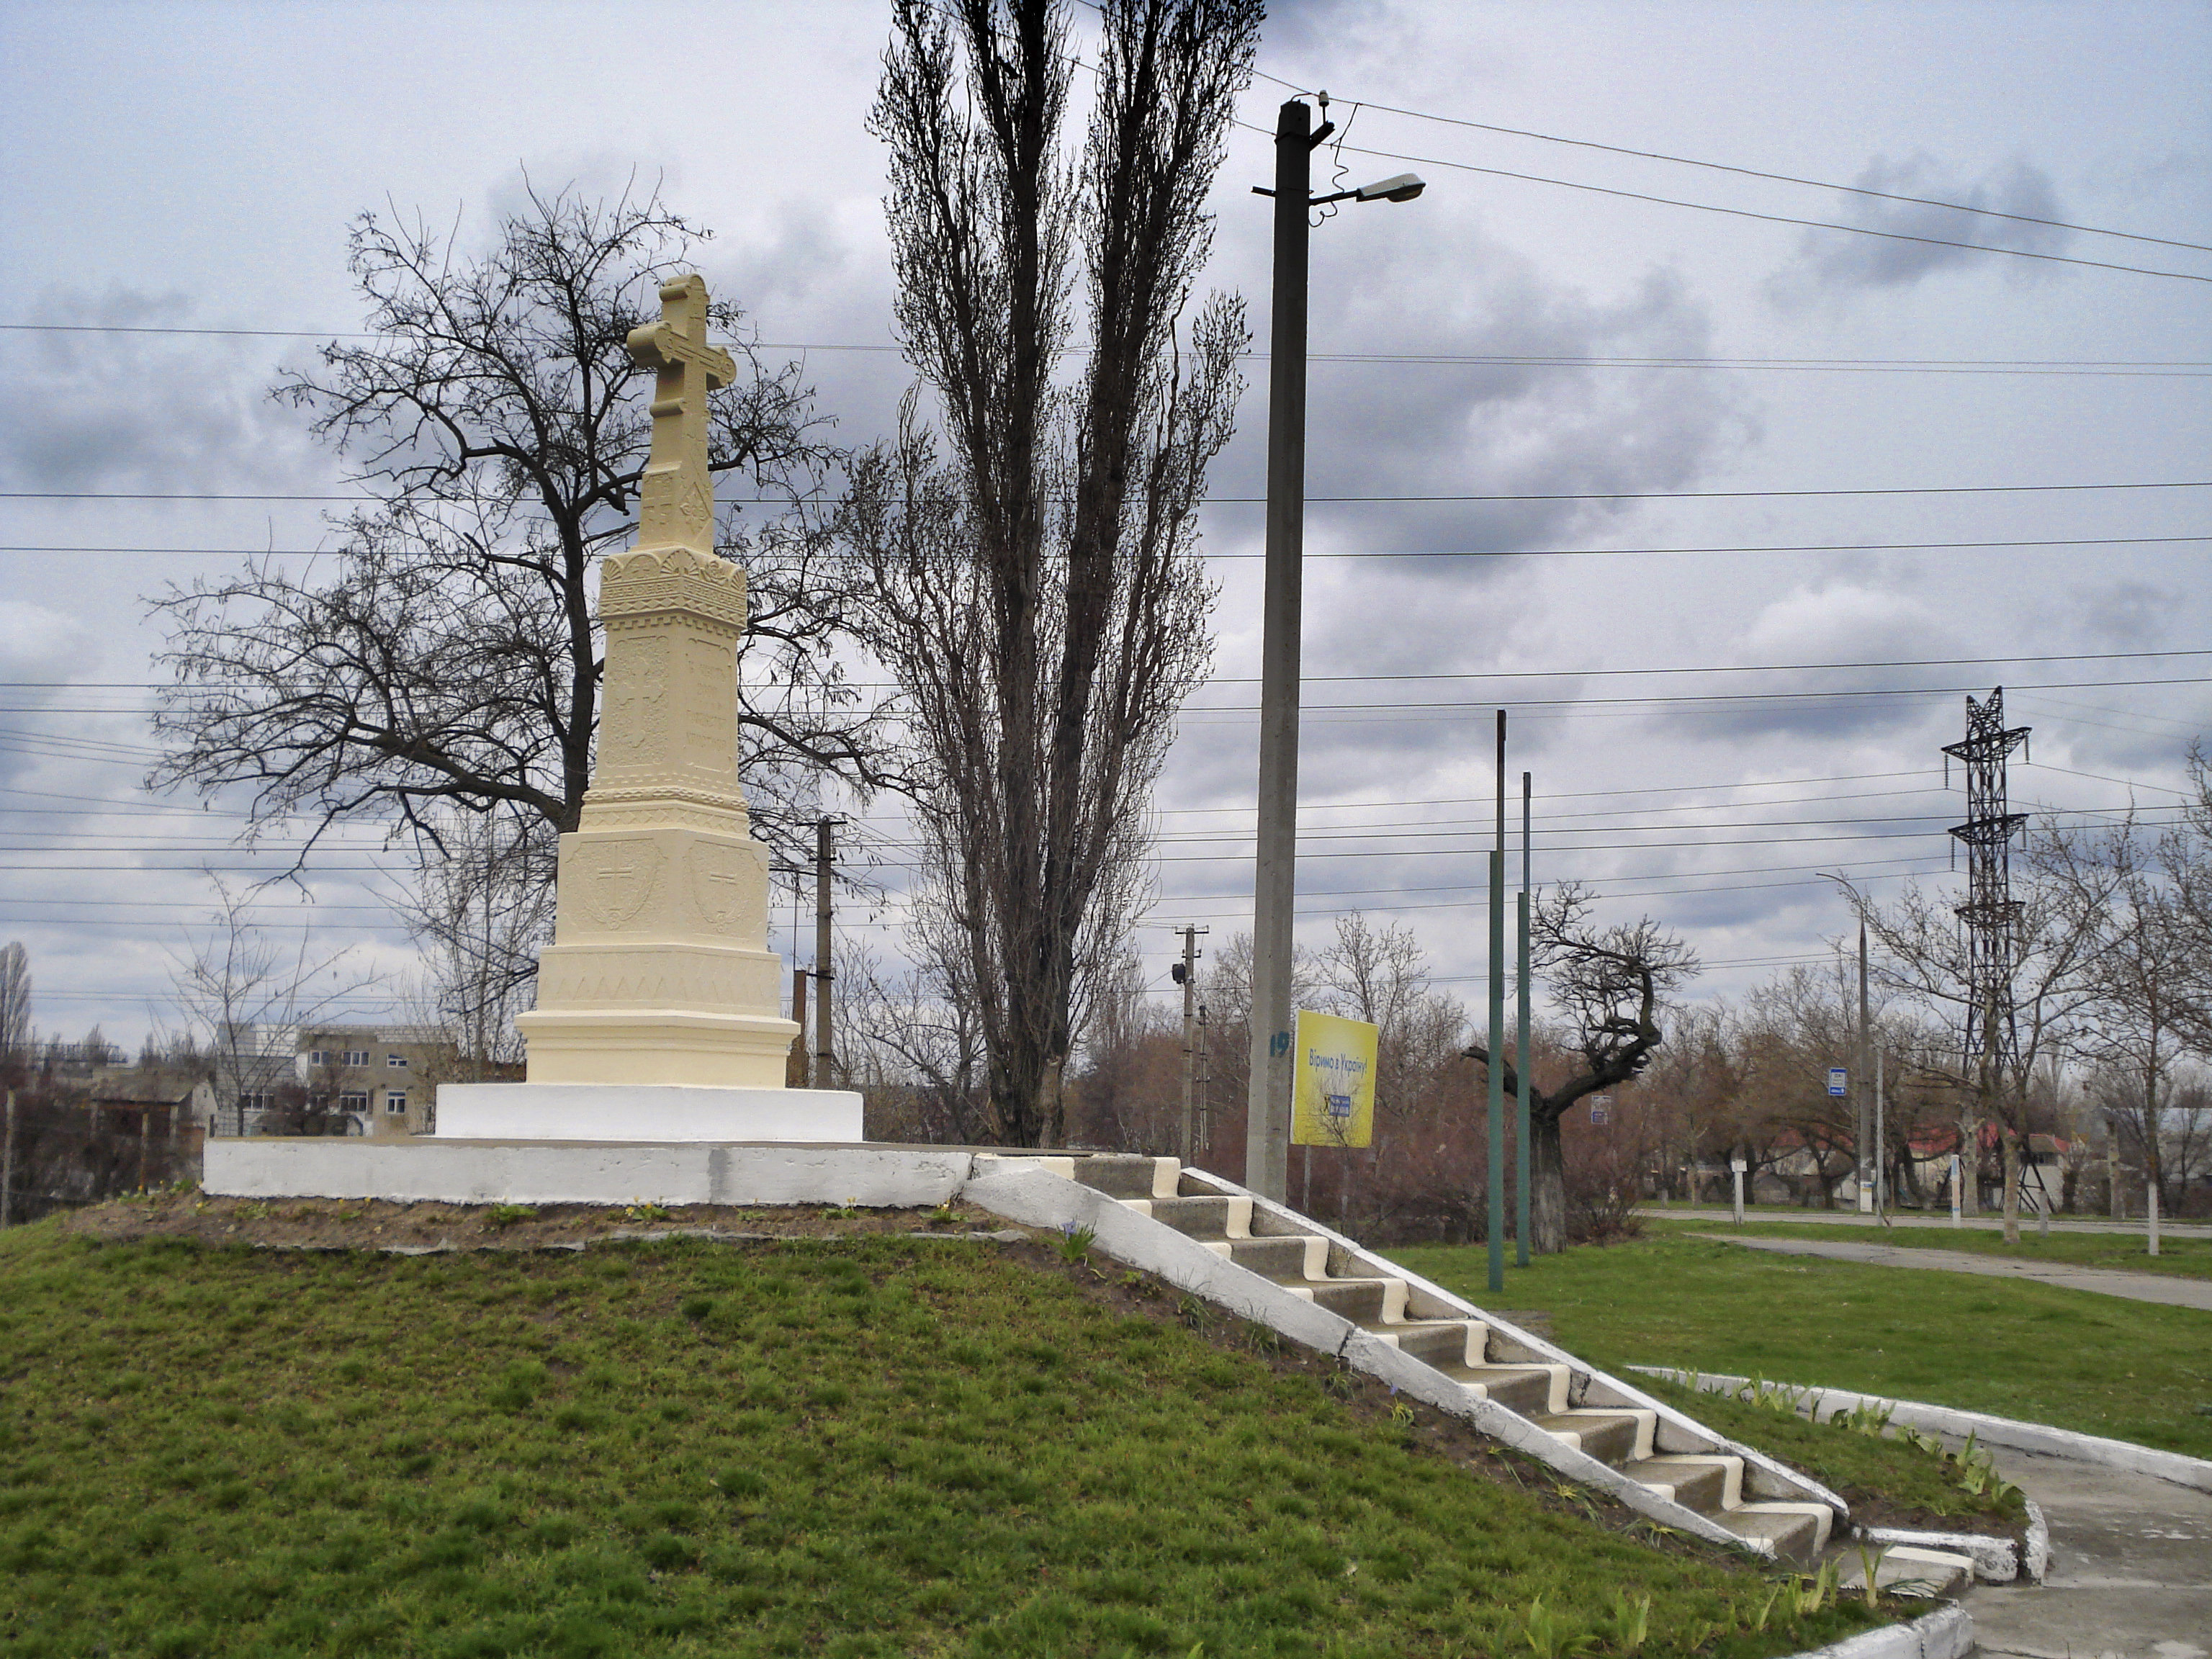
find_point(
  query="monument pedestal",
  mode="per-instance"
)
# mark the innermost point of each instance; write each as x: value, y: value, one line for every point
x: 621, y: 1113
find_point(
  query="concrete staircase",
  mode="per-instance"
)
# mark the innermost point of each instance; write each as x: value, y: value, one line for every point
x: 1682, y: 1473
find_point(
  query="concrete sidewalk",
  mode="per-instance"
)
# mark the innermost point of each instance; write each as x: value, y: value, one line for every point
x: 2130, y: 1569
x: 1990, y: 1224
x: 2105, y: 1281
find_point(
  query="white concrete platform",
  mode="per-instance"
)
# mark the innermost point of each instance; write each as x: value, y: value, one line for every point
x: 628, y: 1113
x: 439, y: 1169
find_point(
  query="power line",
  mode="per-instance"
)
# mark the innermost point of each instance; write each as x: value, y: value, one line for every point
x: 2122, y: 366
x: 1752, y: 172
x: 1364, y: 679
x: 1212, y: 557
x: 1748, y: 213
x: 1261, y: 500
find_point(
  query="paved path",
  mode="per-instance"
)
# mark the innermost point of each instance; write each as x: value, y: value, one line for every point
x: 1930, y: 1218
x: 2130, y: 1569
x: 2106, y: 1281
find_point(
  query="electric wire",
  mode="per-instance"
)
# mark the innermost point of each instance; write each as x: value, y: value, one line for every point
x: 2158, y: 369
x: 1749, y: 213
x: 1262, y: 501
x: 1754, y: 173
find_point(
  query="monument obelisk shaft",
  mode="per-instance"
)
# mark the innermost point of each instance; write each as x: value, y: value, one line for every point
x: 659, y: 972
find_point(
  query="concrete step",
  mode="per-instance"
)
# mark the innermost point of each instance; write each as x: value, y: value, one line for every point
x: 1530, y: 1390
x: 1614, y: 1437
x: 1793, y: 1532
x: 1125, y: 1176
x: 1906, y: 1570
x: 1285, y: 1260
x: 1700, y: 1483
x: 1709, y: 1484
x: 1206, y: 1219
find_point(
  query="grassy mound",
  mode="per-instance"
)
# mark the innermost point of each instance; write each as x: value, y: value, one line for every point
x: 843, y: 1447
x: 2134, y: 1370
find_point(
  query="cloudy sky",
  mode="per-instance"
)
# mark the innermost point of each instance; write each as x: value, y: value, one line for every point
x: 1739, y: 449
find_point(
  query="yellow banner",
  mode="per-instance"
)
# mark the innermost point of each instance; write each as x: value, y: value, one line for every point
x: 1332, y: 1102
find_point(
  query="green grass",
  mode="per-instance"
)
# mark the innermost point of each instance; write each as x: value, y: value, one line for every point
x: 839, y: 1448
x: 1858, y: 1467
x: 2190, y: 1258
x: 2134, y: 1370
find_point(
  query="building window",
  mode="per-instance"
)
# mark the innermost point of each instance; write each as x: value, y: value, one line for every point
x: 357, y: 1056
x: 354, y: 1102
x: 320, y: 1057
x: 395, y: 1103
x: 398, y: 1062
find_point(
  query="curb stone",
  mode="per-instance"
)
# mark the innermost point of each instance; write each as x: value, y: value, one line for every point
x: 1946, y: 1634
x: 2074, y: 1447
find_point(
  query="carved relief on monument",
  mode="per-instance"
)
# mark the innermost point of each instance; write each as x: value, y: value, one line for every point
x: 614, y: 879
x: 673, y: 579
x: 710, y: 710
x: 723, y: 882
x: 637, y: 711
x: 715, y: 981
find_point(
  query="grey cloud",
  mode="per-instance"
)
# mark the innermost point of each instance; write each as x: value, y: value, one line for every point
x: 1831, y: 263
x: 2130, y: 614
x: 142, y: 411
x: 1504, y: 427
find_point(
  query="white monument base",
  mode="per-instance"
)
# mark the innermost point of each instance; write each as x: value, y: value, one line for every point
x: 656, y: 1112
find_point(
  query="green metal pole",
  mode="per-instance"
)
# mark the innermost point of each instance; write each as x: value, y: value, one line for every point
x: 1497, y: 1067
x: 1520, y: 1066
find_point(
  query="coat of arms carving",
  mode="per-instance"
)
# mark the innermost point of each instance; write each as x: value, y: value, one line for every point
x: 614, y: 878
x: 722, y: 882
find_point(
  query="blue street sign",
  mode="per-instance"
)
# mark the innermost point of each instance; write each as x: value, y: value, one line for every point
x: 1838, y: 1082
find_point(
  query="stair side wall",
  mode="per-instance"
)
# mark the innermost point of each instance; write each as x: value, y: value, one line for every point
x: 1037, y: 1199
x: 1763, y: 1477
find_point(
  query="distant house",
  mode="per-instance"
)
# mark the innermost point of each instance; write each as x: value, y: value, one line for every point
x: 382, y: 1080
x: 177, y: 1118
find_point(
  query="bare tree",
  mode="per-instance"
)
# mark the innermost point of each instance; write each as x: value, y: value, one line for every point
x: 1920, y: 956
x: 1608, y: 983
x: 481, y: 914
x: 915, y: 1055
x: 2138, y: 1012
x: 15, y: 1000
x: 451, y: 664
x: 1037, y: 594
x: 247, y: 997
x: 2185, y: 860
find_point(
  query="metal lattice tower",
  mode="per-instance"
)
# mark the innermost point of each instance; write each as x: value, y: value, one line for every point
x: 1990, y: 909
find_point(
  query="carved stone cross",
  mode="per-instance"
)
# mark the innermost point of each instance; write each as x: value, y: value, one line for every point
x: 677, y: 498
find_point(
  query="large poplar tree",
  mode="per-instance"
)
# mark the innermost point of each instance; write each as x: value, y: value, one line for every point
x: 1031, y: 535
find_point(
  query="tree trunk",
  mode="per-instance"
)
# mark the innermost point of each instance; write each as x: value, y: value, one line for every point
x: 2011, y: 1143
x: 1547, y: 1187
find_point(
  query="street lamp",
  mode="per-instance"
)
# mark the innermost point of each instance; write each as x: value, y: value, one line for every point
x: 1267, y: 1104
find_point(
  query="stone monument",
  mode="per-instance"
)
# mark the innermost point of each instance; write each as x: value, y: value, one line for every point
x: 657, y: 1014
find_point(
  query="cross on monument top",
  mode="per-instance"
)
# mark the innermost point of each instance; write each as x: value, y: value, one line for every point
x: 677, y: 496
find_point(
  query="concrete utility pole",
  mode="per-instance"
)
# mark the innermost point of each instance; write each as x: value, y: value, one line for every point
x: 1496, y: 1216
x: 1274, y: 889
x: 1881, y: 1157
x: 8, y: 1159
x: 795, y: 1070
x: 1859, y: 1082
x: 1521, y: 1051
x: 1274, y: 886
x: 1186, y: 974
x: 824, y: 1054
